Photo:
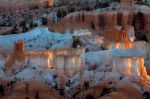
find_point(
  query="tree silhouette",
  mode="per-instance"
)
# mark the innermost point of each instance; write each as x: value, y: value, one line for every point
x: 86, y: 85
x: 2, y: 90
x: 92, y: 25
x: 146, y: 95
x: 27, y: 97
x: 76, y: 42
x: 44, y: 21
x: 89, y: 96
x: 61, y: 92
x: 37, y: 95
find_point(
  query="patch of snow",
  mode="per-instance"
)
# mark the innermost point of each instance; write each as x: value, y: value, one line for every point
x: 104, y: 58
x: 38, y: 39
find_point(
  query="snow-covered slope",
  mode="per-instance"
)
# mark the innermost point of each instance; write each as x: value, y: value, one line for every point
x: 37, y: 39
x: 105, y: 58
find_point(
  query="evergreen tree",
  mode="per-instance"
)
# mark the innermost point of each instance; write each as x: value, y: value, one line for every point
x: 89, y: 96
x: 2, y: 90
x: 37, y: 95
x: 31, y: 25
x: 92, y: 25
x: 44, y: 21
x: 27, y: 97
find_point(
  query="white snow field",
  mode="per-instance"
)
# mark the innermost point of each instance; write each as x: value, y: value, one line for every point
x: 41, y: 39
x: 37, y: 39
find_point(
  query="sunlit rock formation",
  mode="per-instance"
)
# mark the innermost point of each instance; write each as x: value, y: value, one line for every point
x: 19, y: 50
x: 15, y: 59
x: 132, y: 67
x: 97, y: 21
x: 119, y: 37
x: 65, y: 61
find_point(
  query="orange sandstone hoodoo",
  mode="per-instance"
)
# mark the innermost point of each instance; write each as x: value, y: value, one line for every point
x: 116, y: 36
x: 17, y: 55
x: 19, y: 50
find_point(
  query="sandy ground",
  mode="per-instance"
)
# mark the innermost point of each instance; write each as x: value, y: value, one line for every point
x: 123, y: 91
x: 19, y: 91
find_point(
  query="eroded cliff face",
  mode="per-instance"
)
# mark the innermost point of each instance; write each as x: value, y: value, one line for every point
x: 132, y: 67
x: 97, y: 21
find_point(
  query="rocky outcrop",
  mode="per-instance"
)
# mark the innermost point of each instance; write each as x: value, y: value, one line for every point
x: 132, y: 67
x: 16, y: 59
x: 65, y: 61
x: 98, y: 21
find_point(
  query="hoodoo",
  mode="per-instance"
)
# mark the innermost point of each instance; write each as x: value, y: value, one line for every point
x: 74, y: 49
x: 132, y: 67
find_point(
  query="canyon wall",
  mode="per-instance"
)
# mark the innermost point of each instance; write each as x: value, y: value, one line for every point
x: 97, y: 22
